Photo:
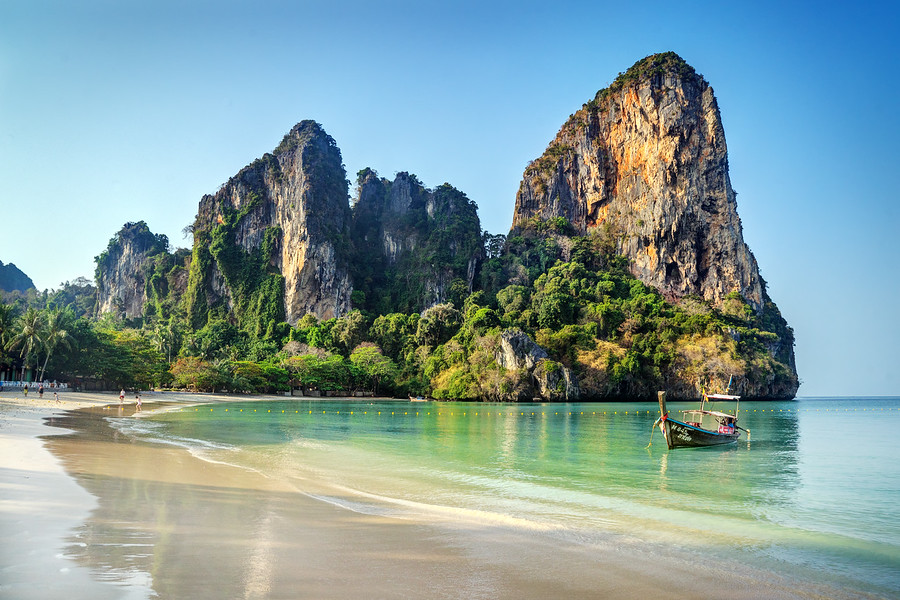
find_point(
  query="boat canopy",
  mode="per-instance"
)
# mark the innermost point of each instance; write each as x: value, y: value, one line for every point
x: 721, y: 397
x: 708, y: 412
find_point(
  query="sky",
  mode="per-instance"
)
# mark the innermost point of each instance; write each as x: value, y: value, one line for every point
x: 114, y: 111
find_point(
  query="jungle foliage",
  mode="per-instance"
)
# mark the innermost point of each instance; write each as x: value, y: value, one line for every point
x: 572, y: 295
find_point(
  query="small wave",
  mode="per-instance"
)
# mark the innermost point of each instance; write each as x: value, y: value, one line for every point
x: 155, y: 432
x: 308, y: 444
x: 415, y: 510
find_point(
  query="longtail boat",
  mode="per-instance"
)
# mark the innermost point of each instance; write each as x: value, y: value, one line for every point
x: 700, y: 427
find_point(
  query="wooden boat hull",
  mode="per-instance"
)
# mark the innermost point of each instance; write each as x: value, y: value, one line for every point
x: 682, y: 435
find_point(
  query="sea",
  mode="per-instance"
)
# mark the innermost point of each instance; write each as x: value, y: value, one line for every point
x: 812, y: 493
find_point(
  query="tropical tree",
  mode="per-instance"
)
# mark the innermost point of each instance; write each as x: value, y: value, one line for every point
x: 349, y: 331
x: 247, y: 376
x: 57, y: 326
x: 367, y: 357
x: 7, y: 325
x: 29, y: 338
x: 196, y: 374
x: 328, y: 372
x: 394, y: 332
x: 438, y: 324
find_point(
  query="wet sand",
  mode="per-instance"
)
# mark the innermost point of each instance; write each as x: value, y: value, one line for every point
x: 91, y: 514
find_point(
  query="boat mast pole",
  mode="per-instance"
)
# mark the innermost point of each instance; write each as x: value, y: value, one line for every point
x: 664, y: 418
x: 737, y: 405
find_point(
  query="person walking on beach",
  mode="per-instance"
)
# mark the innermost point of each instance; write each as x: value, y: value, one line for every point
x: 122, y: 396
x: 26, y: 389
x: 56, y: 396
x: 41, y: 391
x: 137, y: 400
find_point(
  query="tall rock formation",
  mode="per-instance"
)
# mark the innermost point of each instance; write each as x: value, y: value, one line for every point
x: 124, y: 268
x: 644, y: 166
x: 272, y: 244
x: 646, y: 162
x: 415, y: 247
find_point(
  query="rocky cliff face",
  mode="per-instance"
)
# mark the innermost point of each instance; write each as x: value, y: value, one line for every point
x: 272, y: 242
x: 643, y: 168
x: 547, y: 379
x: 415, y: 247
x: 646, y: 162
x: 123, y: 269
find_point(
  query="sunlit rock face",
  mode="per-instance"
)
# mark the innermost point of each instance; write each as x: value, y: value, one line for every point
x: 297, y: 196
x: 123, y: 268
x: 646, y: 163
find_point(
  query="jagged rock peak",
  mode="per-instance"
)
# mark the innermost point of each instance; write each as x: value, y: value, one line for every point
x: 123, y: 267
x: 301, y: 133
x: 281, y: 227
x: 645, y: 162
x: 652, y: 67
x: 416, y: 247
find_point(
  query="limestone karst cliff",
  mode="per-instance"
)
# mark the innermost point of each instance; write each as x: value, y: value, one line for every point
x: 625, y: 270
x: 279, y: 240
x: 272, y: 243
x: 646, y: 161
x: 644, y: 166
x: 124, y: 268
x: 415, y: 247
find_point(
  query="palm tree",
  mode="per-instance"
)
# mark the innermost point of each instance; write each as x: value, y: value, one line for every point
x: 7, y: 323
x: 29, y: 339
x: 56, y: 333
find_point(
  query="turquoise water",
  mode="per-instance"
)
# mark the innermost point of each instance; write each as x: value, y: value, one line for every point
x: 812, y: 494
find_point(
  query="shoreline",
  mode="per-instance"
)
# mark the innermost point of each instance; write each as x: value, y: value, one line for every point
x: 274, y: 541
x: 41, y: 502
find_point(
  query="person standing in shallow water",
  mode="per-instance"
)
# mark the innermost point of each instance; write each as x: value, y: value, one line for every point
x: 41, y: 391
x: 122, y: 396
x: 137, y: 401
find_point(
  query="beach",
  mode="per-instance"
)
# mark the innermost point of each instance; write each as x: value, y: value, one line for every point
x: 93, y: 514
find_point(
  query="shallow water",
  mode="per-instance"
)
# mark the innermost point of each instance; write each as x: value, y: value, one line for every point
x: 813, y: 493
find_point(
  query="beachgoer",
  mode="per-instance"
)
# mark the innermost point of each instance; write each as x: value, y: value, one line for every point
x: 41, y: 391
x: 26, y: 389
x: 56, y: 396
x: 137, y: 399
x: 122, y: 396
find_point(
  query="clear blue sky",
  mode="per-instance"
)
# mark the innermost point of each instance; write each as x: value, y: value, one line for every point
x: 116, y: 111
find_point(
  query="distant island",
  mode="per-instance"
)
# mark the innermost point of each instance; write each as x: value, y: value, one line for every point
x: 624, y: 272
x: 12, y: 279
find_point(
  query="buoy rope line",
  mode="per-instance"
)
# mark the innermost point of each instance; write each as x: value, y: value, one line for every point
x: 476, y: 413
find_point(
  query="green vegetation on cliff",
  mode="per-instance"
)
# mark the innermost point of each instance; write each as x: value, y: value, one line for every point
x: 138, y: 235
x: 655, y: 65
x: 571, y: 295
x: 257, y: 288
x: 433, y: 237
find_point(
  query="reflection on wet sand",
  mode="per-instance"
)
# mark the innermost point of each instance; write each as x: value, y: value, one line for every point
x: 186, y: 528
x: 169, y: 525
